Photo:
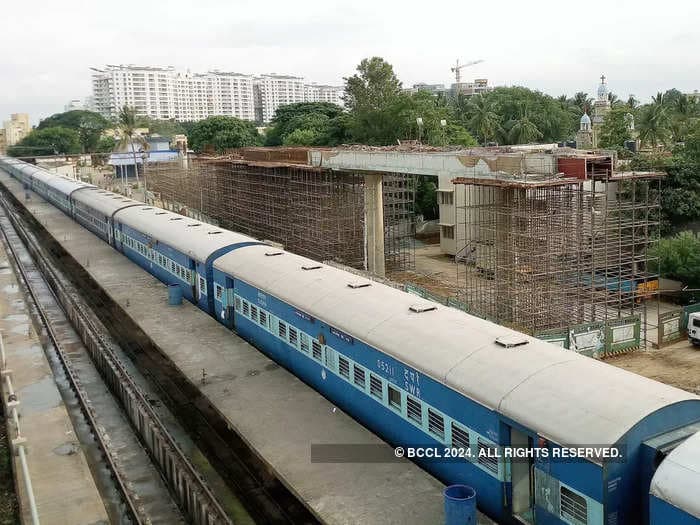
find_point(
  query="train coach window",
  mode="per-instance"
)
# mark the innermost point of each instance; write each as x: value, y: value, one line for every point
x: 436, y: 424
x: 394, y: 398
x: 263, y: 318
x: 316, y: 350
x: 489, y: 457
x: 414, y: 410
x: 304, y: 342
x: 375, y: 387
x: 292, y: 336
x: 329, y: 360
x: 254, y: 313
x: 460, y: 437
x: 218, y: 292
x: 172, y: 266
x: 246, y: 310
x: 282, y: 330
x: 359, y: 376
x: 696, y: 323
x: 237, y: 303
x: 573, y: 506
x: 344, y: 367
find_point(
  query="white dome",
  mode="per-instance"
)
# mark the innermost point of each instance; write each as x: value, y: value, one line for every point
x: 585, y: 119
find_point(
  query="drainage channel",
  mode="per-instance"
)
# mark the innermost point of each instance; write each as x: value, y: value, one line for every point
x: 117, y: 426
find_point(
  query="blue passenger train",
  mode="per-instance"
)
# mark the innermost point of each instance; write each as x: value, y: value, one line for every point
x: 421, y: 374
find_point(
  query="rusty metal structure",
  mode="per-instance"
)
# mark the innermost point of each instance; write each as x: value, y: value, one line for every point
x: 313, y: 211
x: 553, y: 251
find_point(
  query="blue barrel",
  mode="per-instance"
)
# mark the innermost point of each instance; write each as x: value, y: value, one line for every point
x: 460, y: 505
x: 174, y: 294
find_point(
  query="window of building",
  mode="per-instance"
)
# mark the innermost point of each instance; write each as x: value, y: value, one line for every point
x: 446, y: 197
x: 448, y: 232
x: 394, y: 398
x: 414, y: 410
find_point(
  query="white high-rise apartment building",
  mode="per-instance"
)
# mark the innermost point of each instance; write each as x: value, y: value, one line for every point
x: 320, y: 93
x: 164, y: 93
x: 272, y: 91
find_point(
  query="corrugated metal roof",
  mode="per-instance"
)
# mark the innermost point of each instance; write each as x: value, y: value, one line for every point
x: 677, y: 480
x: 192, y: 237
x: 565, y: 397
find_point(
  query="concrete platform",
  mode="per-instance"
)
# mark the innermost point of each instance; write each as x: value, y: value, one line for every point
x: 64, y: 488
x: 275, y: 413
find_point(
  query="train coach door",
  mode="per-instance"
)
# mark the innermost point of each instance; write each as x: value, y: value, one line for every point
x: 522, y: 476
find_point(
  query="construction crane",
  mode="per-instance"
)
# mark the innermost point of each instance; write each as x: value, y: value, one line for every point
x: 458, y: 67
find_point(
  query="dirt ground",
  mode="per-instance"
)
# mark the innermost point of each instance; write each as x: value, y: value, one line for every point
x: 677, y: 365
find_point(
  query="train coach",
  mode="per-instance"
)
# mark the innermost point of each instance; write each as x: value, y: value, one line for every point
x: 428, y: 377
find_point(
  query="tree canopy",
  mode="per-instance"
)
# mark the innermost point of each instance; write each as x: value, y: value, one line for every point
x: 308, y: 124
x: 221, y: 133
x: 88, y: 124
x: 679, y: 258
x: 49, y: 141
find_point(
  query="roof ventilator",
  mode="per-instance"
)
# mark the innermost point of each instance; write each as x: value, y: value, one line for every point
x: 511, y: 341
x: 215, y: 232
x: 359, y: 284
x: 272, y: 254
x: 311, y: 267
x: 176, y: 218
x: 193, y: 225
x: 419, y: 308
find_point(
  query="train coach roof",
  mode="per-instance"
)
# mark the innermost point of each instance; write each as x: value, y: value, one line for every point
x: 189, y: 236
x: 677, y: 479
x: 104, y: 201
x: 66, y: 185
x: 568, y: 398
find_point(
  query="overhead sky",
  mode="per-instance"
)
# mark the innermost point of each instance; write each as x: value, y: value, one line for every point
x: 557, y: 47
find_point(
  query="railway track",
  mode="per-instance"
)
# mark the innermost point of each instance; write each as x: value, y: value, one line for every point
x: 264, y: 497
x: 147, y: 488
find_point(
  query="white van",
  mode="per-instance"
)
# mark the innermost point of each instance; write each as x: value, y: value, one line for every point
x: 694, y: 328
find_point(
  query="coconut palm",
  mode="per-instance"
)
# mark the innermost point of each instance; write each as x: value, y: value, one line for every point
x: 126, y: 125
x: 583, y: 102
x: 654, y: 123
x: 524, y: 130
x: 484, y: 119
x: 632, y: 102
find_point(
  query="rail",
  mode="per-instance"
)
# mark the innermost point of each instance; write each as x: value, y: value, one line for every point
x: 17, y: 443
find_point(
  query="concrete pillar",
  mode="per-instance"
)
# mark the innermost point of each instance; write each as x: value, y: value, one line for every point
x: 374, y: 224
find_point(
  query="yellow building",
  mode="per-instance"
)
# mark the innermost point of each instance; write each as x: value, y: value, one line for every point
x: 16, y: 128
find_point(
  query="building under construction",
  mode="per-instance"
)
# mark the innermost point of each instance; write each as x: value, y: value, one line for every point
x: 550, y: 251
x: 274, y: 194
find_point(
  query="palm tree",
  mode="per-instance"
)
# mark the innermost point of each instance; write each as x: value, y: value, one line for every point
x: 126, y: 124
x: 524, y: 130
x: 632, y: 102
x: 484, y: 119
x: 654, y: 123
x: 583, y: 102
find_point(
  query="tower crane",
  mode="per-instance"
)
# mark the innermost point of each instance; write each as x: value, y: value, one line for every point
x: 458, y: 67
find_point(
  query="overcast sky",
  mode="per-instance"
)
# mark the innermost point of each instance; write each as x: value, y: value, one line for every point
x: 48, y: 46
